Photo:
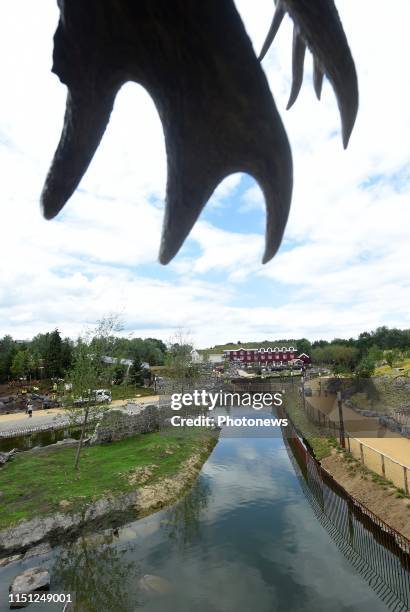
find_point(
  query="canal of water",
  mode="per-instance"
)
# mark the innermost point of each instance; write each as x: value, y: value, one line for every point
x: 244, y: 538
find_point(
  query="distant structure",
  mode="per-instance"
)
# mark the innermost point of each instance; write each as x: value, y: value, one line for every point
x: 125, y: 362
x: 213, y: 358
x: 285, y: 356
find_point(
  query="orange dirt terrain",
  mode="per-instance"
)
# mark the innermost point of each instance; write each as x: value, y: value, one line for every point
x: 366, y: 429
x: 379, y: 498
x: 378, y: 495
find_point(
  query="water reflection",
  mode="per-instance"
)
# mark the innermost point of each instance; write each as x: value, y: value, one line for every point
x: 97, y: 572
x: 244, y: 538
x: 182, y: 523
x: 382, y: 560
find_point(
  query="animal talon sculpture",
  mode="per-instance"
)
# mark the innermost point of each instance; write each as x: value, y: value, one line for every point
x: 298, y: 59
x: 317, y: 26
x: 218, y: 115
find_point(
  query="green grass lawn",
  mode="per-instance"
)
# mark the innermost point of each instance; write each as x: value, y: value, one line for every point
x: 322, y: 446
x: 130, y: 391
x: 34, y: 483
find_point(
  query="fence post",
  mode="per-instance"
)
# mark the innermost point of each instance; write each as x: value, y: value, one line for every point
x: 342, y: 426
x: 383, y: 466
x: 406, y: 482
x: 348, y: 443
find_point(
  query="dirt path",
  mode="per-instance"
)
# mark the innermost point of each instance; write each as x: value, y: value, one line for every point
x: 44, y: 417
x: 365, y: 429
x: 392, y: 510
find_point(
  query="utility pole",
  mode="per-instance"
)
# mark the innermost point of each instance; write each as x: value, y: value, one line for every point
x: 341, y: 423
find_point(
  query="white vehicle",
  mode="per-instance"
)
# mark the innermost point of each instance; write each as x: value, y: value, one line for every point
x: 102, y: 396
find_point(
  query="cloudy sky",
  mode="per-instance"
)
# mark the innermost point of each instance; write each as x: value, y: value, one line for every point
x: 343, y: 266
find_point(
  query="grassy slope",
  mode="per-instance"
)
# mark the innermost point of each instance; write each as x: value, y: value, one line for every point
x: 33, y: 484
x: 400, y: 368
x: 321, y: 445
x: 130, y: 391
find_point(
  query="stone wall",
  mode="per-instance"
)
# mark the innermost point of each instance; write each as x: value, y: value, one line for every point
x: 125, y: 422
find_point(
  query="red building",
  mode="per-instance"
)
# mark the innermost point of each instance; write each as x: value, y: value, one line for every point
x: 268, y: 356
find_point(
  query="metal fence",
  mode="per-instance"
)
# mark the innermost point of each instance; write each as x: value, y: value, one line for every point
x: 378, y: 552
x: 372, y: 458
x: 403, y: 417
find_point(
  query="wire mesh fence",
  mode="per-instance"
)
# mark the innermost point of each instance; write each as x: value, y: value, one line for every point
x: 378, y: 552
x: 375, y: 460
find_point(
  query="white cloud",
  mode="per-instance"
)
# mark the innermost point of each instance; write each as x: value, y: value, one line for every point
x: 343, y: 265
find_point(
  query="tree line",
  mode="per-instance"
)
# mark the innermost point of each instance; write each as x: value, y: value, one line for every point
x: 357, y: 355
x: 49, y: 355
x: 361, y: 355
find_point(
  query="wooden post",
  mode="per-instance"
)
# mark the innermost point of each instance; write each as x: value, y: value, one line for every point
x: 342, y: 427
x: 303, y: 393
x: 383, y: 466
x: 348, y: 443
x: 361, y: 452
x: 406, y: 482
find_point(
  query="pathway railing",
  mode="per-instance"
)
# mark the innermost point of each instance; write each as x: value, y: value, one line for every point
x: 378, y: 552
x: 374, y: 459
x: 23, y: 431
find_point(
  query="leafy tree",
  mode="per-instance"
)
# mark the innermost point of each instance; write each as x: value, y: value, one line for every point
x: 136, y: 374
x: 375, y: 353
x: 7, y: 351
x: 99, y: 574
x: 179, y: 362
x: 19, y: 365
x: 160, y: 345
x: 303, y: 346
x: 89, y: 373
x: 365, y: 368
x: 67, y: 347
x: 390, y: 358
x: 118, y: 373
x: 336, y: 355
x: 54, y: 355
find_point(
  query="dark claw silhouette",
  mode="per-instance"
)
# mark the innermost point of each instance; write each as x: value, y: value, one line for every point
x: 298, y: 58
x: 318, y: 25
x: 218, y: 115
